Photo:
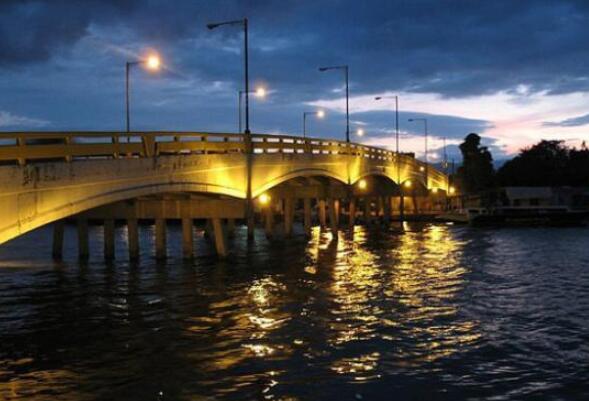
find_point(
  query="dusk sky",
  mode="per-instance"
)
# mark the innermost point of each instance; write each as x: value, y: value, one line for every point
x: 513, y: 71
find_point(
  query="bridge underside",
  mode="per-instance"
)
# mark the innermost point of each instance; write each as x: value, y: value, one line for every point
x: 35, y: 194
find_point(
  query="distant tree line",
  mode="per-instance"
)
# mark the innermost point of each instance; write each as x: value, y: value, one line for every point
x: 547, y: 163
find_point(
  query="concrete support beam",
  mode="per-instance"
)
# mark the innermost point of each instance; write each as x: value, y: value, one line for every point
x: 288, y: 216
x: 133, y: 238
x: 269, y: 220
x: 332, y: 216
x: 220, y: 239
x: 230, y: 228
x: 160, y: 238
x: 322, y: 213
x: 307, y: 214
x: 58, y: 233
x: 352, y: 212
x: 83, y: 245
x: 251, y: 224
x: 367, y: 210
x: 379, y: 207
x: 387, y: 209
x: 109, y: 239
x: 187, y: 238
x: 338, y: 210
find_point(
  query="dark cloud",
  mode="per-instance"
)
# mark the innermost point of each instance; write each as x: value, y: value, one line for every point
x: 454, y: 48
x: 569, y: 122
x: 58, y: 63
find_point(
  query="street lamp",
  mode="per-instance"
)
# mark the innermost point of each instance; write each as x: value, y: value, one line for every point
x: 424, y: 120
x: 396, y: 117
x: 345, y: 69
x: 242, y: 22
x: 319, y: 114
x: 151, y: 63
x: 360, y: 132
x: 260, y: 93
x: 248, y: 143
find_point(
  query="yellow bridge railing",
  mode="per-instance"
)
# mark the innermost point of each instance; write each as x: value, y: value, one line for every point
x: 25, y: 147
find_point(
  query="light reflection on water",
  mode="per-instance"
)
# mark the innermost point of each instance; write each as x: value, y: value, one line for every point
x: 426, y: 311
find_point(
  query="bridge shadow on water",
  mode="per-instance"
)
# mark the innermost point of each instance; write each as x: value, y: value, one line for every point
x: 402, y: 310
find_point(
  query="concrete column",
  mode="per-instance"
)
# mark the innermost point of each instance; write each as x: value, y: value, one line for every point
x: 160, y: 238
x: 387, y: 209
x: 83, y: 246
x: 269, y: 220
x: 379, y: 207
x: 231, y: 228
x: 250, y: 227
x: 209, y: 230
x: 401, y: 207
x: 58, y: 232
x: 322, y: 213
x: 307, y: 214
x: 187, y: 238
x: 367, y: 209
x: 352, y: 212
x: 332, y: 216
x: 220, y: 241
x: 133, y: 238
x: 338, y: 208
x: 288, y: 216
x: 109, y: 239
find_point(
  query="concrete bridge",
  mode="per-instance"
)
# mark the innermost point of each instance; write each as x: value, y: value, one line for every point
x: 46, y: 177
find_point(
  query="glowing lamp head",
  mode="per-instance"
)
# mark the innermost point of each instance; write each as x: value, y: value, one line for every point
x: 360, y: 132
x: 153, y: 62
x: 434, y: 190
x: 452, y: 190
x: 362, y: 184
x: 421, y: 168
x: 407, y: 184
x: 320, y: 114
x: 264, y: 199
x: 261, y: 92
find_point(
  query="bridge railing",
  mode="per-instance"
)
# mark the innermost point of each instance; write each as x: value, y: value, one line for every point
x: 25, y: 147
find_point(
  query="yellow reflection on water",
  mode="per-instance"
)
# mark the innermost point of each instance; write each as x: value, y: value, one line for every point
x: 406, y: 297
x: 425, y: 282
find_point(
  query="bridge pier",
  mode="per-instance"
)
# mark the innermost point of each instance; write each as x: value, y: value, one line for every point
x: 269, y: 220
x: 160, y: 238
x: 187, y: 238
x: 352, y: 212
x: 307, y: 215
x: 230, y: 228
x: 333, y: 216
x: 322, y: 213
x: 109, y: 239
x: 83, y: 245
x: 220, y: 239
x: 288, y: 212
x: 133, y: 238
x: 58, y: 234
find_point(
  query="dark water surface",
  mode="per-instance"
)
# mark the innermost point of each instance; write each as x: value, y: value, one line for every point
x: 419, y: 312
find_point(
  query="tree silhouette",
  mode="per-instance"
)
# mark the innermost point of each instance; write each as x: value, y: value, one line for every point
x: 548, y: 163
x: 476, y: 173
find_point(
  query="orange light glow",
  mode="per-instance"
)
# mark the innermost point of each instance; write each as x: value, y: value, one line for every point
x: 153, y: 62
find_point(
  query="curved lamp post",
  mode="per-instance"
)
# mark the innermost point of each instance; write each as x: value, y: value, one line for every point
x: 345, y: 69
x: 319, y: 114
x: 396, y: 118
x: 424, y: 120
x: 260, y: 93
x: 151, y: 63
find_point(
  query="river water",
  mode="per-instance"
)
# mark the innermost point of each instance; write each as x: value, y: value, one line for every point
x: 417, y: 312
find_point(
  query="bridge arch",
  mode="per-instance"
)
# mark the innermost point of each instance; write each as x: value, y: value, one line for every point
x: 298, y: 173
